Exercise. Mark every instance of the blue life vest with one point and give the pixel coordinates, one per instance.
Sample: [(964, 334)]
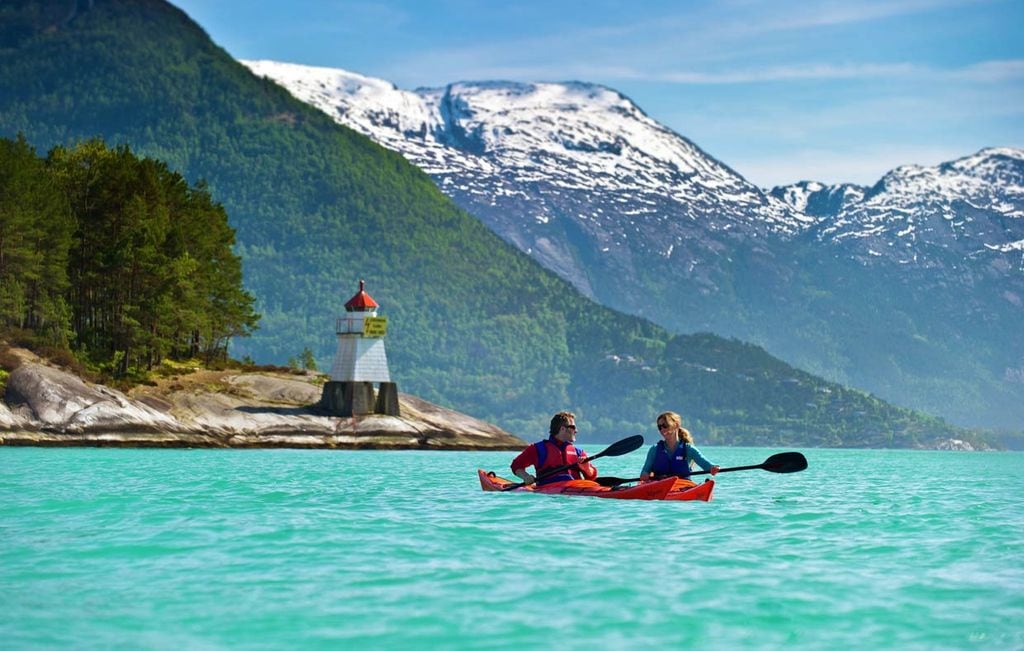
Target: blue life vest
[(675, 464), (569, 455)]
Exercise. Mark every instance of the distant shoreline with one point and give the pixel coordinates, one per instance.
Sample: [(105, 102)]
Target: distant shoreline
[(142, 441)]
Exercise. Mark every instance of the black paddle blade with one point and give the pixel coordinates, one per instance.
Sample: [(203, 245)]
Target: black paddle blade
[(785, 462), (614, 481), (625, 446)]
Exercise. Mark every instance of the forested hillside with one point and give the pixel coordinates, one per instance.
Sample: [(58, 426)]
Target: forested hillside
[(473, 323), (116, 258)]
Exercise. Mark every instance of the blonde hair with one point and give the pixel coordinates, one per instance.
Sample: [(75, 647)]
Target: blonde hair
[(673, 419)]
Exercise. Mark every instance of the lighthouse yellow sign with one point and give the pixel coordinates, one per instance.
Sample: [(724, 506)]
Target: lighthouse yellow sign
[(375, 326)]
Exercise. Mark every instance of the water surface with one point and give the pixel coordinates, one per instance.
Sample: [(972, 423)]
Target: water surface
[(229, 549)]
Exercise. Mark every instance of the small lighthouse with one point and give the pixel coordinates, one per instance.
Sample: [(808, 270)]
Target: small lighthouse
[(360, 362)]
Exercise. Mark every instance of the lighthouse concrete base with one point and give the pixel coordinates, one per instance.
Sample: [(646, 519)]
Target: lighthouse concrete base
[(387, 399), (355, 398)]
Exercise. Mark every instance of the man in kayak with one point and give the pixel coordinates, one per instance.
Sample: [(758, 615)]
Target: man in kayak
[(557, 450), (675, 452)]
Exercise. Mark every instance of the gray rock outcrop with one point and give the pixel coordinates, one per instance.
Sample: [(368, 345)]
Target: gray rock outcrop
[(47, 406), (49, 398)]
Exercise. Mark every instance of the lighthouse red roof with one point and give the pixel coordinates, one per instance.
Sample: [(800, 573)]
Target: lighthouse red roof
[(362, 301)]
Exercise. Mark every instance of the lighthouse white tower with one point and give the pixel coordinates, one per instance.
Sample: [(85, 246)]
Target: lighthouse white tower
[(360, 356), (359, 362)]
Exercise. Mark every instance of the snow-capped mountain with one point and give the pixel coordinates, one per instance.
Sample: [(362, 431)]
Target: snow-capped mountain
[(573, 136), (912, 288), (574, 174), (925, 216)]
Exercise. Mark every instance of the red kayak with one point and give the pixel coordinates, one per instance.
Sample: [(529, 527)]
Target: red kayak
[(664, 489), (684, 489)]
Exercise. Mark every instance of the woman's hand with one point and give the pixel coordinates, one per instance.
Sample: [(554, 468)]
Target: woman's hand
[(714, 470)]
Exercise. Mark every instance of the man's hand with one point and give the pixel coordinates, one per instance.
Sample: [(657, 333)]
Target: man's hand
[(526, 477)]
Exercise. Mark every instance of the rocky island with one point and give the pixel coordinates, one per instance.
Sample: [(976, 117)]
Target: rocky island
[(46, 406)]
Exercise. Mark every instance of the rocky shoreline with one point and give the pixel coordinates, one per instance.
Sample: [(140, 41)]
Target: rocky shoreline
[(46, 406)]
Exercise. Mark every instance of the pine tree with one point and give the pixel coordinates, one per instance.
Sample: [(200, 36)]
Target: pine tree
[(35, 234)]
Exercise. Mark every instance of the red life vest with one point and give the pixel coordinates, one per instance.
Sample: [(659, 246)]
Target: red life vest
[(551, 455)]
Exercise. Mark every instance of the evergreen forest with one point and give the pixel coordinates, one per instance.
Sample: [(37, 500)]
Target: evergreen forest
[(116, 258)]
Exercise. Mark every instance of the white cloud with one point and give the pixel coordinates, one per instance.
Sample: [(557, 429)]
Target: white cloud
[(715, 43), (809, 15), (791, 73), (981, 72), (991, 71)]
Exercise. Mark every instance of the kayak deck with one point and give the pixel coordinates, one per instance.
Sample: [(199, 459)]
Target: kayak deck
[(686, 490), (664, 489)]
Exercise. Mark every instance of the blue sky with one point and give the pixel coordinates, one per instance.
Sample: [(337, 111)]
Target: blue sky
[(779, 90)]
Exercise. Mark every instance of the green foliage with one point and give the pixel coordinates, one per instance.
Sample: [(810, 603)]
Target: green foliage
[(35, 235), (306, 360), (117, 256), (473, 324)]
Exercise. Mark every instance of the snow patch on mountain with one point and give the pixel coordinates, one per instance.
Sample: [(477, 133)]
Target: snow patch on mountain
[(917, 214), (501, 139), (1008, 247), (992, 178), (817, 199), (970, 204)]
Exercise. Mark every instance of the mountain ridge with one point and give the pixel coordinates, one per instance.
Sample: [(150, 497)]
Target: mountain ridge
[(676, 236)]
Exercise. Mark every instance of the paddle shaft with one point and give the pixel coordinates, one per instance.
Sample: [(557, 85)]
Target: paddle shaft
[(699, 472), (784, 462), (733, 469)]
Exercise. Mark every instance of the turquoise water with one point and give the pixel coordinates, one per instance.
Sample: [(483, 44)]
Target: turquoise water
[(265, 549)]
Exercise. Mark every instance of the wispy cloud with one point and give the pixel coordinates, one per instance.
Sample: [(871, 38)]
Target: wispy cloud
[(991, 71), (809, 15), (712, 46), (982, 72), (790, 73)]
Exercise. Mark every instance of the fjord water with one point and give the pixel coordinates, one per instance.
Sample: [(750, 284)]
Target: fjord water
[(211, 549)]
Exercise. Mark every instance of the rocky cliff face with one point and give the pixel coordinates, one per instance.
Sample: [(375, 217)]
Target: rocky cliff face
[(47, 406)]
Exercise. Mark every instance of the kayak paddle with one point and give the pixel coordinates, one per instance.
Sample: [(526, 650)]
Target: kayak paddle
[(782, 462), (625, 446)]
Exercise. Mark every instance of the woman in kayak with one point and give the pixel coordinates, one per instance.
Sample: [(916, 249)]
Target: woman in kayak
[(555, 451), (674, 454)]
